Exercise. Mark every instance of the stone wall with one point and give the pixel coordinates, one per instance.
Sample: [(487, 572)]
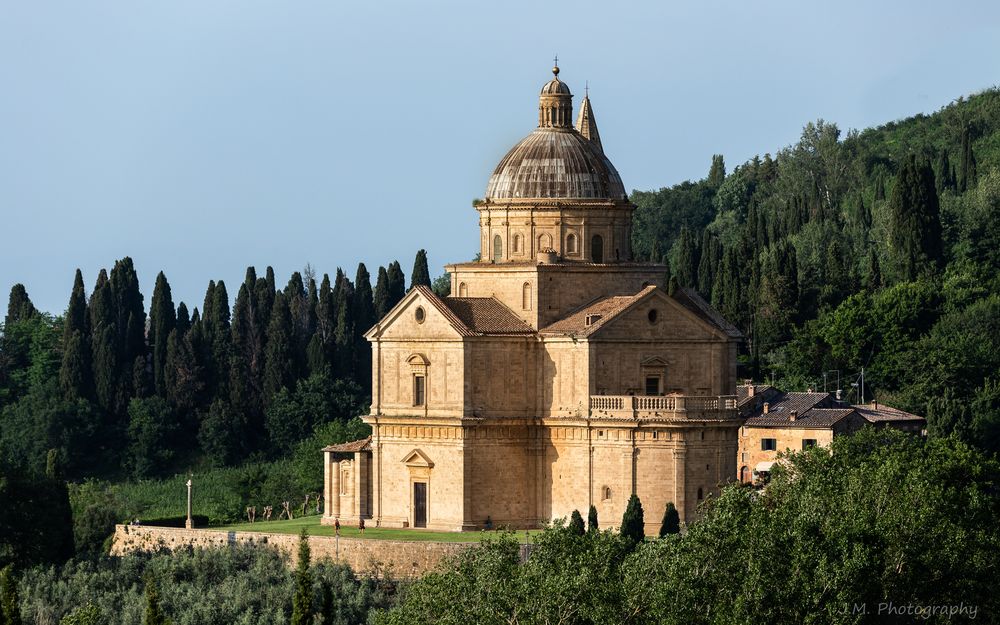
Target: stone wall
[(395, 558)]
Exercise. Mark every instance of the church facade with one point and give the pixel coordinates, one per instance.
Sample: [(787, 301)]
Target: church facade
[(558, 374)]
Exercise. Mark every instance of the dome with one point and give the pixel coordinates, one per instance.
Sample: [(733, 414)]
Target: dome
[(555, 87), (555, 163)]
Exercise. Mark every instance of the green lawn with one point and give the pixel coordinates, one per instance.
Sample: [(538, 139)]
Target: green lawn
[(312, 524)]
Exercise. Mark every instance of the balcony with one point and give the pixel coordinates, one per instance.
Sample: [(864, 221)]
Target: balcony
[(667, 407)]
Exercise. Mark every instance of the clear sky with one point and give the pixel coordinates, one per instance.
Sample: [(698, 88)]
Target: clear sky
[(202, 136)]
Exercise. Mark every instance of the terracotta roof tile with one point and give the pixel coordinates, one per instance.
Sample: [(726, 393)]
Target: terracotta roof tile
[(352, 447), (596, 313), (883, 414), (486, 315)]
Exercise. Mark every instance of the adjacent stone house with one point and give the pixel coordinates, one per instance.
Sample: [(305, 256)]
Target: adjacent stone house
[(777, 421)]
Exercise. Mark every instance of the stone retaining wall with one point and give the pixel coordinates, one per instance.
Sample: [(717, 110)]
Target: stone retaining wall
[(393, 558)]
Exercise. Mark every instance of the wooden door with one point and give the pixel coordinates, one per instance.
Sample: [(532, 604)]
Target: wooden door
[(420, 504)]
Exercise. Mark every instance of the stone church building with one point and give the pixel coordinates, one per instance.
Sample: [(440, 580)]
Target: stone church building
[(558, 374)]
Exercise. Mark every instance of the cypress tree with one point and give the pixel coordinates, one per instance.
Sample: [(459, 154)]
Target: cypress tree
[(945, 173), (19, 306), (576, 526), (219, 341), (103, 334), (182, 374), (344, 335), (298, 307), (967, 166), (153, 614), (10, 605), (74, 373), (873, 278), (592, 525), (162, 320), (633, 524), (58, 512), (302, 608), (880, 188), (396, 284), (364, 319), (130, 321), (264, 294), (278, 363), (915, 223), (685, 259), (717, 173), (421, 274), (247, 364), (708, 263), (183, 319), (671, 523), (381, 296), (654, 252)]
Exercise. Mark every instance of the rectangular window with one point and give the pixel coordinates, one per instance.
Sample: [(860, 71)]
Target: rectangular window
[(418, 390), (768, 444), (652, 385), (808, 442)]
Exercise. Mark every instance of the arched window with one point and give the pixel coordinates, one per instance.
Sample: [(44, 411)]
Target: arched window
[(463, 290), (571, 245), (606, 493), (597, 249), (516, 244), (544, 242), (526, 296), (497, 248)]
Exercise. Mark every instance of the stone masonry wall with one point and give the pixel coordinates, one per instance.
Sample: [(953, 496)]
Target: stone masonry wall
[(394, 558)]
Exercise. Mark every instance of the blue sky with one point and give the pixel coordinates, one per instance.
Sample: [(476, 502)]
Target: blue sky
[(203, 136)]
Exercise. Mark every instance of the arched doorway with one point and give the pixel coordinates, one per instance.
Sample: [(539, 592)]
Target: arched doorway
[(597, 249)]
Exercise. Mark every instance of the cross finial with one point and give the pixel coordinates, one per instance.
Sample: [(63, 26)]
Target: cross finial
[(586, 89), (555, 68)]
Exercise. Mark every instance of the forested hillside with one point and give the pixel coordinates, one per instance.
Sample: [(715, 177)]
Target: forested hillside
[(876, 250)]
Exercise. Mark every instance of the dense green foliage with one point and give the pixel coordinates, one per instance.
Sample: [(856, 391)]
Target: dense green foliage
[(671, 523), (870, 250), (239, 585), (881, 517)]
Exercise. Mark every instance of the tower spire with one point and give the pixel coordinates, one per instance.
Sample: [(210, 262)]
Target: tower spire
[(586, 124)]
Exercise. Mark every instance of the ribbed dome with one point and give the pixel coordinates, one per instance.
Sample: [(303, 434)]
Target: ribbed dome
[(555, 87), (555, 163)]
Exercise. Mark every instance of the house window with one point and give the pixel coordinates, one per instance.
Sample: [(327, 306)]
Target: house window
[(701, 495), (497, 249), (606, 493), (597, 249), (345, 481), (418, 390), (419, 314), (808, 442), (516, 244), (526, 296), (652, 315), (768, 444), (652, 385)]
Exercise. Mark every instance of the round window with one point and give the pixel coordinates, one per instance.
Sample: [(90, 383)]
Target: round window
[(652, 315), (419, 314)]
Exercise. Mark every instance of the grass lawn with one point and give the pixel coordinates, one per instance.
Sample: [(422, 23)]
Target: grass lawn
[(312, 524)]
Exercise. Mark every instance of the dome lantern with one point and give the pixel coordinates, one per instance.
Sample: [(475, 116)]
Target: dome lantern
[(555, 103)]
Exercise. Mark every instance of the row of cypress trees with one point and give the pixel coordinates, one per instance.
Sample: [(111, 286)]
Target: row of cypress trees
[(213, 370)]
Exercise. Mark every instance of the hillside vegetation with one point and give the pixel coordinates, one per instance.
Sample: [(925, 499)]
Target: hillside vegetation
[(876, 250)]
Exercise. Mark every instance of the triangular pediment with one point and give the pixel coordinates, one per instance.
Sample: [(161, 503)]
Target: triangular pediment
[(654, 361), (417, 458), (671, 317), (420, 314)]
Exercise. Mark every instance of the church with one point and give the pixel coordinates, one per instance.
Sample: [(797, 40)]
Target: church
[(560, 373)]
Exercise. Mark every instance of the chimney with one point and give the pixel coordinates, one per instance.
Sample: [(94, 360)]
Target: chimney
[(793, 415), (874, 404), (751, 390), (767, 407), (838, 394)]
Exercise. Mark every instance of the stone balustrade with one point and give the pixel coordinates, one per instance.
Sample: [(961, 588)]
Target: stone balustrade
[(663, 406)]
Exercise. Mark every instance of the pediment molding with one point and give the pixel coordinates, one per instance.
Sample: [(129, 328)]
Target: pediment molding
[(417, 458)]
